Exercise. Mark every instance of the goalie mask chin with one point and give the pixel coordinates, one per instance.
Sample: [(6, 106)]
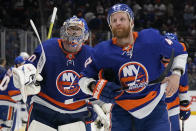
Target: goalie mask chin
[(73, 33)]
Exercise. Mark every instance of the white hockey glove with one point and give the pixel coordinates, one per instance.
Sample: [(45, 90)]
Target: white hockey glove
[(102, 117), (84, 83), (27, 80)]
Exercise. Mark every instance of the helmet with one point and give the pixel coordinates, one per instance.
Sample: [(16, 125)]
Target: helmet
[(19, 60), (71, 35), (120, 8), (25, 55), (171, 36)]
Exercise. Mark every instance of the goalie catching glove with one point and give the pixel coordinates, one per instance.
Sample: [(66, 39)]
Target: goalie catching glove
[(27, 80)]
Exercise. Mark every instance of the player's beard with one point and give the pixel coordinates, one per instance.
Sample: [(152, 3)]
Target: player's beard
[(123, 32)]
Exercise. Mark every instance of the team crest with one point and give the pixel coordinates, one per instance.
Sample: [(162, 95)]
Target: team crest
[(134, 75), (67, 83), (168, 41)]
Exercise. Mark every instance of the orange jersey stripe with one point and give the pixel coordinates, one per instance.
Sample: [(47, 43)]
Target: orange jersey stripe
[(131, 104), (5, 97), (72, 106), (13, 93), (29, 114), (66, 83), (99, 87), (173, 103), (131, 78), (10, 110), (183, 88), (184, 47), (100, 74), (135, 35)]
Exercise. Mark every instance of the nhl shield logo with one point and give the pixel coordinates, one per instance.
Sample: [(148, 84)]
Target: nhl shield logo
[(134, 75), (66, 83)]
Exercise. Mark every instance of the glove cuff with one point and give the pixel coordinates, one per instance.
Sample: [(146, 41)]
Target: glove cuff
[(185, 105), (98, 88)]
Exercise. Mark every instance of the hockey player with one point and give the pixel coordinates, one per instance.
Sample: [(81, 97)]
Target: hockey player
[(2, 68), (55, 104), (23, 111), (25, 55), (135, 59), (9, 95), (178, 104)]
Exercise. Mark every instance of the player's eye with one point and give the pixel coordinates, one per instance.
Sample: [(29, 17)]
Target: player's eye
[(122, 19), (114, 20)]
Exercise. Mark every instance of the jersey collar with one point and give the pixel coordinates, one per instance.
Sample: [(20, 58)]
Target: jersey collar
[(126, 48), (69, 55)]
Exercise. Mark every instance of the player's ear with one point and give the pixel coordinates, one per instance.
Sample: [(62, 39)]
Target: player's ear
[(131, 24)]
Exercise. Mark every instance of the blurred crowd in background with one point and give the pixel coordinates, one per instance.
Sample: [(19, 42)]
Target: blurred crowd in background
[(176, 16)]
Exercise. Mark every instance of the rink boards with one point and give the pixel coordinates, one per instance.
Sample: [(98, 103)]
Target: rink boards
[(192, 95)]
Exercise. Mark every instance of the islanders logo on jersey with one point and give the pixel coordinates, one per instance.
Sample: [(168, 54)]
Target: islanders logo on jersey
[(66, 83), (133, 75)]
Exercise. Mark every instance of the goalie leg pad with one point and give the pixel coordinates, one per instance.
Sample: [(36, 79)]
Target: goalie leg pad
[(38, 126), (76, 126)]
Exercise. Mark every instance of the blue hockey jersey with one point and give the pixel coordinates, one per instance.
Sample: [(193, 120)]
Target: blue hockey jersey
[(173, 102), (59, 88), (182, 93), (2, 73), (10, 95), (134, 67)]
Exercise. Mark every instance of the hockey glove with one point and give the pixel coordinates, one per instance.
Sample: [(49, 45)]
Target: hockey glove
[(27, 80), (185, 110), (92, 116), (105, 91), (103, 117), (107, 74)]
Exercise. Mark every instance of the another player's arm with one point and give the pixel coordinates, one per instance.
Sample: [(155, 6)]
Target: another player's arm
[(185, 105), (178, 67)]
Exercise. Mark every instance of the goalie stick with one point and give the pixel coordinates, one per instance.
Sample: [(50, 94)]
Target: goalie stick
[(40, 65), (42, 59)]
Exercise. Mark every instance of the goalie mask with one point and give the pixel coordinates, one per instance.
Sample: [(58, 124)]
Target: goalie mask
[(74, 31)]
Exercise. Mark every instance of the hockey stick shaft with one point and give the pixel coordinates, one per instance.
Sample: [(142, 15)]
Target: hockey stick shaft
[(42, 59), (158, 80), (182, 125), (52, 22)]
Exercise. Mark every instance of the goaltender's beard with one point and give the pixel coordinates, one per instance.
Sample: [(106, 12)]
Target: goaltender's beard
[(122, 32)]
